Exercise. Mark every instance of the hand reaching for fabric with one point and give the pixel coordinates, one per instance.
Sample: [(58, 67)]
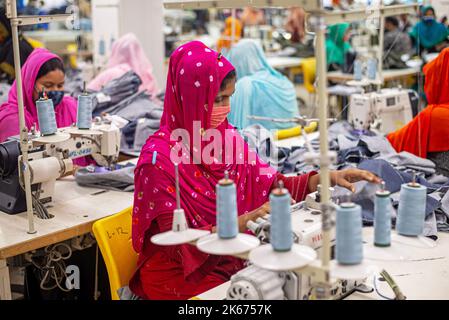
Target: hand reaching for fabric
[(345, 178)]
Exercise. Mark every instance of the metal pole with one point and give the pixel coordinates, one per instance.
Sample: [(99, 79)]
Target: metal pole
[(380, 51), (233, 27), (23, 166), (324, 148)]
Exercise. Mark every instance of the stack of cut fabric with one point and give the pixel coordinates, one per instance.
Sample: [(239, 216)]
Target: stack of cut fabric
[(142, 112), (367, 151)]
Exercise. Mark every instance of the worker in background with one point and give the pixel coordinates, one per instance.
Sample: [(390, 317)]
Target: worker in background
[(201, 20), (201, 84), (6, 49), (429, 34), (260, 90), (127, 54), (43, 71), (427, 134), (337, 45), (252, 17), (396, 44), (404, 23), (296, 24), (445, 21), (224, 43)]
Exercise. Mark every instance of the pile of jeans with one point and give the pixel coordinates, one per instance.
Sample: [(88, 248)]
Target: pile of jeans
[(367, 151), (140, 111)]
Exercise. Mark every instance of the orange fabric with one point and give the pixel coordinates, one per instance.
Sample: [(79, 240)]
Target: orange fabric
[(225, 42), (437, 79), (429, 131)]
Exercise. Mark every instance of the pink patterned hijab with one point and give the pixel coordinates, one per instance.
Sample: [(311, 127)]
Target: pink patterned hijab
[(127, 54), (194, 78), (9, 113)]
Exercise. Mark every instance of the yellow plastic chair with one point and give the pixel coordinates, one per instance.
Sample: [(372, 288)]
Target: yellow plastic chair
[(113, 236), (308, 66), (72, 50)]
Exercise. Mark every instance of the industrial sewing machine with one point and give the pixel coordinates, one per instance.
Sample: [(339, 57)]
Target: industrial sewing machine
[(384, 111), (52, 157), (254, 283)]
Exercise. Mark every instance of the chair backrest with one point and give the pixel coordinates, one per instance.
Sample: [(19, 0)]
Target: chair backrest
[(309, 69), (113, 235)]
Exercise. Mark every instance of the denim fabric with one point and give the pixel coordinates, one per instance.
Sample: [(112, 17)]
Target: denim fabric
[(121, 179)]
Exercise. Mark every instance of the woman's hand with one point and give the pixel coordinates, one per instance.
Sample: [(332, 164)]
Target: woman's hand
[(345, 178), (253, 216)]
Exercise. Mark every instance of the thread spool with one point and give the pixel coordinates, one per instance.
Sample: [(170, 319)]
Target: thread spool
[(349, 241), (372, 69), (357, 70), (281, 224), (84, 112), (45, 169), (382, 218), (46, 116), (412, 209), (227, 225)]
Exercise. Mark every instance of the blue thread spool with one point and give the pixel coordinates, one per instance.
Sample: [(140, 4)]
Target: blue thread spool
[(153, 160), (412, 209), (357, 70), (372, 69), (281, 236), (84, 112), (349, 241), (46, 116), (101, 47), (227, 225), (382, 218)]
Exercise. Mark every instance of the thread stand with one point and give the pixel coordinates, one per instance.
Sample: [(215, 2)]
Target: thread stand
[(281, 254), (297, 257), (242, 243), (351, 272), (59, 136), (227, 240), (180, 233)]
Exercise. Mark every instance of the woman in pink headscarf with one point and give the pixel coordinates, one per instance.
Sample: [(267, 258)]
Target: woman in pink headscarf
[(127, 54), (199, 86), (42, 70)]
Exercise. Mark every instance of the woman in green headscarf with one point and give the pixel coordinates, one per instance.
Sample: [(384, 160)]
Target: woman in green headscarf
[(337, 45), (429, 34)]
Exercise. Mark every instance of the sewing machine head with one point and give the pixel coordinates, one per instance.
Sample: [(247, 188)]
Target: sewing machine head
[(51, 157), (254, 283), (384, 111)]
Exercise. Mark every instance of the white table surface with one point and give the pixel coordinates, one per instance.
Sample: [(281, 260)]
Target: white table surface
[(339, 76), (284, 62), (75, 209), (425, 277)]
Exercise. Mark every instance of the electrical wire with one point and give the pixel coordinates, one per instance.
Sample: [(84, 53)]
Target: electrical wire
[(377, 290), (38, 207), (53, 267), (397, 291)]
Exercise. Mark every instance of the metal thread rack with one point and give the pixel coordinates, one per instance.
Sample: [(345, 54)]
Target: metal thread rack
[(320, 18), (16, 22)]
